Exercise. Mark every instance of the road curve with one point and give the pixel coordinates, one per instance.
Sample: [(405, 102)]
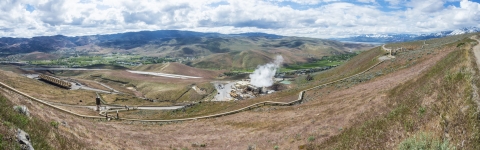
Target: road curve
[(386, 49), (476, 51)]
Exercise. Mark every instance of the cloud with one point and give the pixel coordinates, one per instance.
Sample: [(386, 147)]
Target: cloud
[(395, 2), (366, 1), (317, 18), (427, 6), (306, 2)]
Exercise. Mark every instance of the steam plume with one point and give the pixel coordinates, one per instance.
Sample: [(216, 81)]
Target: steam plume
[(263, 75)]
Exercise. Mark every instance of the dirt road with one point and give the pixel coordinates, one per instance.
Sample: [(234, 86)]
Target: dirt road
[(476, 51), (164, 75)]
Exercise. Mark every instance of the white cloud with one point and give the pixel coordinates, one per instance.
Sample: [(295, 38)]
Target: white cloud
[(366, 1), (428, 6), (305, 2), (395, 2), (331, 18)]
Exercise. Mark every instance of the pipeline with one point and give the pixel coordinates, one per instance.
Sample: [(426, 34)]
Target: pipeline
[(48, 104)]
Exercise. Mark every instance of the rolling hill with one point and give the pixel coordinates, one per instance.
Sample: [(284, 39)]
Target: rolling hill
[(237, 51), (424, 98)]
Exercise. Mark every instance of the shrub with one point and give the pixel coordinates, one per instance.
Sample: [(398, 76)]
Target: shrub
[(424, 141), (54, 124), (311, 138), (421, 110)]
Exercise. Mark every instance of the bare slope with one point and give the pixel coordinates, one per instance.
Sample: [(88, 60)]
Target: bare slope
[(436, 109)]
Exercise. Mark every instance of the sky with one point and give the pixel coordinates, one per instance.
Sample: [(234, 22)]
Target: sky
[(304, 18)]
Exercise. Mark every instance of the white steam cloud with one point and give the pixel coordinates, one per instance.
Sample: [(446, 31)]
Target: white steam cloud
[(263, 75)]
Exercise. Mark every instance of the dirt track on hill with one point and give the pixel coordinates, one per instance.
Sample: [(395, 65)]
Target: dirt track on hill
[(476, 51)]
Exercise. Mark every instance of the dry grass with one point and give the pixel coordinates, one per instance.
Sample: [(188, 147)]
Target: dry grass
[(406, 45), (439, 103), (43, 135), (92, 84), (46, 91)]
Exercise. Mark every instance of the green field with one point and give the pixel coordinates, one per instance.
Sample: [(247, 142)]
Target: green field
[(116, 59), (320, 63)]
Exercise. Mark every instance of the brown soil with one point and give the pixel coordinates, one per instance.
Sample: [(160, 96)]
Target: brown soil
[(92, 84)]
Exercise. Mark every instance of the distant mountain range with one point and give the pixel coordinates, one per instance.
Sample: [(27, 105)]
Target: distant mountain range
[(203, 50), (131, 40), (389, 38), (127, 40)]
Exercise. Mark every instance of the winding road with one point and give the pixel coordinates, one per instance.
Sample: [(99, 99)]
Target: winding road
[(386, 49), (476, 51)]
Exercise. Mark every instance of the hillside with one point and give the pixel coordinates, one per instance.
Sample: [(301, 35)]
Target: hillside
[(196, 48), (294, 51), (436, 109), (186, 42), (11, 120), (424, 98)]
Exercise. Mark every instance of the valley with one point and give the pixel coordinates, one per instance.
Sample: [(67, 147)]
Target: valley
[(362, 100), (240, 74)]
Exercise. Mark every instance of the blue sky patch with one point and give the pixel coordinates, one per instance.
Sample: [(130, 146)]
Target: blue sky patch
[(29, 8), (298, 6), (456, 4), (219, 3)]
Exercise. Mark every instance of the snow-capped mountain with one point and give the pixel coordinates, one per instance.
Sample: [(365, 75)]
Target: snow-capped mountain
[(465, 30), (388, 38)]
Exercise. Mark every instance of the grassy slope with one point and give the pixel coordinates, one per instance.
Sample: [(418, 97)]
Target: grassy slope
[(150, 67), (322, 63), (43, 135), (216, 61), (355, 65), (244, 57), (46, 91), (439, 106)]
